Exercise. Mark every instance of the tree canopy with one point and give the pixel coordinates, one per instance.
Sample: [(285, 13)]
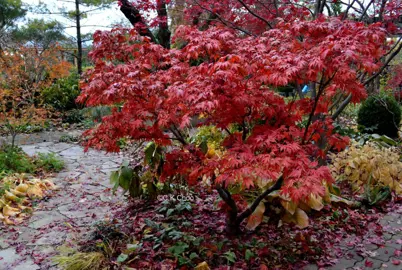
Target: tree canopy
[(223, 65), (10, 11)]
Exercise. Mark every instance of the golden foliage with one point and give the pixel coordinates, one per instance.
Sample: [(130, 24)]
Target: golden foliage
[(369, 164), (256, 217), (17, 192)]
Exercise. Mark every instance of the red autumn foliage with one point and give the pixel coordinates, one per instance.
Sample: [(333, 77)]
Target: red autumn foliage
[(229, 78)]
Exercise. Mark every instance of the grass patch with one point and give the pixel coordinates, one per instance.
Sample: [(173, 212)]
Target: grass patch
[(49, 162), (14, 160)]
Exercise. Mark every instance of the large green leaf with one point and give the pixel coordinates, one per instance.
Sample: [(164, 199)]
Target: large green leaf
[(114, 179), (125, 177)]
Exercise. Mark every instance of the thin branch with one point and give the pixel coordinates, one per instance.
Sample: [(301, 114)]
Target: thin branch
[(345, 15), (395, 53), (255, 14), (224, 21), (393, 47), (342, 107), (335, 103), (365, 10)]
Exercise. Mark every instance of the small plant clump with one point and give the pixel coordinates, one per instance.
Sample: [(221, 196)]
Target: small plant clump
[(380, 114), (14, 160), (369, 167), (16, 194), (49, 162), (82, 261)]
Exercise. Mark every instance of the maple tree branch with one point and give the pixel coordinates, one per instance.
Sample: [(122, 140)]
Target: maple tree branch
[(360, 4), (318, 7), (246, 213), (342, 107), (336, 102), (328, 9), (365, 10), (382, 9), (393, 47), (310, 117), (233, 26), (354, 8), (227, 198), (345, 15), (255, 14), (178, 134), (134, 16), (274, 3), (320, 92), (395, 53)]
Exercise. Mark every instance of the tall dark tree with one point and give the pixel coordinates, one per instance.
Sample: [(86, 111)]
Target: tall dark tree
[(77, 15), (78, 10)]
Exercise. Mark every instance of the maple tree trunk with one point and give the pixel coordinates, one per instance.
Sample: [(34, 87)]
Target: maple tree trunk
[(163, 32), (234, 219), (134, 16)]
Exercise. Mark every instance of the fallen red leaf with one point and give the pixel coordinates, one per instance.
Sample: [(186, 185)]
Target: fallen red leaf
[(396, 262), (368, 263)]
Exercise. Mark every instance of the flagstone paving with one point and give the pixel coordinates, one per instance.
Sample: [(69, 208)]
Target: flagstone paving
[(83, 198)]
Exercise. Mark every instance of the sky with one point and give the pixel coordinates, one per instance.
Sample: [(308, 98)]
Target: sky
[(100, 19)]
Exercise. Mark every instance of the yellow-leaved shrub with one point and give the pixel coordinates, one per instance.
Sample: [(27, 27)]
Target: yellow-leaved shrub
[(16, 193), (369, 164)]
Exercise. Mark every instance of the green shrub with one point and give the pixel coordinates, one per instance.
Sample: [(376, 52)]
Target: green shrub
[(69, 138), (14, 160), (74, 116), (49, 162), (380, 114), (62, 94)]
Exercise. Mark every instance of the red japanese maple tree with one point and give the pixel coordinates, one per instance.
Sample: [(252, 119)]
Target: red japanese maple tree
[(227, 73)]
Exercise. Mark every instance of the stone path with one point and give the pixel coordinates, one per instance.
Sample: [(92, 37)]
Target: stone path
[(84, 197), (376, 251)]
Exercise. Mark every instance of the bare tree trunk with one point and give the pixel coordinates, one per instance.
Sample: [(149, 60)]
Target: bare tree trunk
[(13, 137), (79, 41)]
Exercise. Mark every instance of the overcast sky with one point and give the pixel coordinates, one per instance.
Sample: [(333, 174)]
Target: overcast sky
[(95, 20)]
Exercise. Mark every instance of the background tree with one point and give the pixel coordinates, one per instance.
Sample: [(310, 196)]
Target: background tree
[(25, 71), (39, 33), (10, 12), (80, 9)]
